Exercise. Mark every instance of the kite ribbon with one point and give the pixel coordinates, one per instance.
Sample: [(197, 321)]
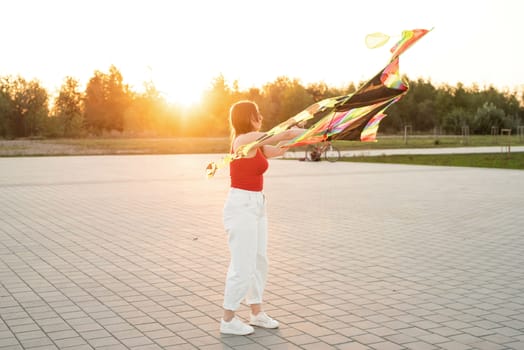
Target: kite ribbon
[(354, 116)]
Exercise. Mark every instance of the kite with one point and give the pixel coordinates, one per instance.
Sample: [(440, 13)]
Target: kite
[(354, 116), (375, 40)]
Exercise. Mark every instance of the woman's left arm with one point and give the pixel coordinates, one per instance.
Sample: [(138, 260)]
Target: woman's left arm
[(273, 151)]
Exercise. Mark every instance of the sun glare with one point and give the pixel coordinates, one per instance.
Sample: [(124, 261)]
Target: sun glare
[(175, 88), (185, 96)]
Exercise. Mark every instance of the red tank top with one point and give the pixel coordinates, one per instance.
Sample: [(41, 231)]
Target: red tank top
[(248, 173)]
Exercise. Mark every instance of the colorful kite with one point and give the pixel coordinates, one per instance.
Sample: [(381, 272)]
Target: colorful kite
[(354, 116)]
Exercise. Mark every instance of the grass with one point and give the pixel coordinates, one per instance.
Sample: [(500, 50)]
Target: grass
[(108, 146), (481, 160), (431, 141), (178, 145), (192, 145), (189, 145)]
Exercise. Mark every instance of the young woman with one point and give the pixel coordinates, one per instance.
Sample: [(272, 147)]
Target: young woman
[(245, 219)]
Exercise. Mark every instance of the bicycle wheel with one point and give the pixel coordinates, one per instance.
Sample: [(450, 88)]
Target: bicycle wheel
[(332, 154), (312, 153)]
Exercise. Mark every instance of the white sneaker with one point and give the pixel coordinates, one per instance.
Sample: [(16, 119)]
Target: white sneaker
[(236, 327), (262, 320)]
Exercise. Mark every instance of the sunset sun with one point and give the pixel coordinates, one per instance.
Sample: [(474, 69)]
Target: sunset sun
[(183, 95)]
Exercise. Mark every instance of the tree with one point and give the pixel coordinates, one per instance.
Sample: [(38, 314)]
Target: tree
[(6, 110), (119, 98), (106, 100), (318, 91), (212, 118), (283, 98), (95, 104), (69, 109), (488, 116), (456, 119), (443, 105), (462, 98), (24, 105), (149, 114)]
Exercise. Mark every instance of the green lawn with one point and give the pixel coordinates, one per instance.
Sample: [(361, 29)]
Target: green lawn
[(491, 160), (431, 141)]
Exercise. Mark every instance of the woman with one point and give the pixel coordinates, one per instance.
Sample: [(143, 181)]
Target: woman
[(245, 219)]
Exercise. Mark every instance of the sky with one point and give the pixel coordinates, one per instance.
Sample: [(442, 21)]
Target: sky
[(181, 46)]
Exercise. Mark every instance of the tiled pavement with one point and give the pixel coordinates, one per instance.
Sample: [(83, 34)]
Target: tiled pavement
[(129, 253)]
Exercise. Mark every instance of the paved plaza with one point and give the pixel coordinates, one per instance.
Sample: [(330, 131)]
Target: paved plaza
[(128, 252)]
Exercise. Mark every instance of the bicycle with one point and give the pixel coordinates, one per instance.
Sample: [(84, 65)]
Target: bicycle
[(314, 152)]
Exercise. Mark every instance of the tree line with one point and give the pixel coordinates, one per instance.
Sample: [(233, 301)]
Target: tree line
[(108, 106)]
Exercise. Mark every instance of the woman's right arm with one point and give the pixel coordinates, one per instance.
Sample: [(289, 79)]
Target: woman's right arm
[(249, 137)]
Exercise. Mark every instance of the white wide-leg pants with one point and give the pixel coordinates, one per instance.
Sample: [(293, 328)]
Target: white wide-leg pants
[(245, 222)]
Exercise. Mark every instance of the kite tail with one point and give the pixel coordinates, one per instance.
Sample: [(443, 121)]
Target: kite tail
[(354, 116)]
